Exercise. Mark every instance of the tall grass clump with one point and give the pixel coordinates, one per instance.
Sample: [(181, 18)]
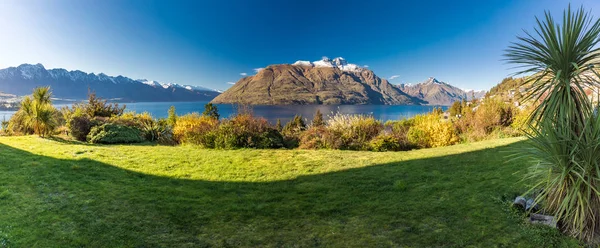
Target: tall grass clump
[(353, 132), (562, 59)]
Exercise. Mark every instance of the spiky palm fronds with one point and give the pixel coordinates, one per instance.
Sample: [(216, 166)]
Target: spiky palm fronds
[(43, 119), (42, 95), (562, 60), (567, 168), (36, 115)]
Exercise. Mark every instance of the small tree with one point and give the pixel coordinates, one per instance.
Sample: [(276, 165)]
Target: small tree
[(318, 119), (295, 125), (278, 125), (172, 118), (561, 59), (36, 115), (98, 107), (456, 108), (210, 110), (4, 125)]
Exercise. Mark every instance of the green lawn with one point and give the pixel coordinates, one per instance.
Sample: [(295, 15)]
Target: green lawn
[(64, 194)]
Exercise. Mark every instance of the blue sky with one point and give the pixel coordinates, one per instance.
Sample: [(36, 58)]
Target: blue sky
[(210, 43)]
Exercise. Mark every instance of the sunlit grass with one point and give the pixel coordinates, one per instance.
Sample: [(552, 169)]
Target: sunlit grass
[(61, 194)]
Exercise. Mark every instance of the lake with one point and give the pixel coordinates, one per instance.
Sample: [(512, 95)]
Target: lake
[(272, 113)]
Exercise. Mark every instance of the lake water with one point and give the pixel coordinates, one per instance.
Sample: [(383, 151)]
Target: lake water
[(272, 113)]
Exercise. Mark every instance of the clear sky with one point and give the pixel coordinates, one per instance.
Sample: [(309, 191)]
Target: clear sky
[(210, 43)]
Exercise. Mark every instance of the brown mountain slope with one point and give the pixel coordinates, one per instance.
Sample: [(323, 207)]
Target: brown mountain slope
[(434, 92), (308, 84)]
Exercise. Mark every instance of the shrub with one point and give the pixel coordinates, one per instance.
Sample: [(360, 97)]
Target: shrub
[(292, 130), (79, 127), (316, 137), (352, 131), (132, 119), (521, 119), (386, 142), (98, 107), (247, 131), (195, 129), (318, 119), (456, 108), (278, 125), (398, 130), (172, 119), (430, 130), (111, 133), (210, 110), (4, 126), (159, 131), (490, 114)]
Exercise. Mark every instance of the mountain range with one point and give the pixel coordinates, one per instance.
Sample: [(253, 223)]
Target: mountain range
[(336, 81), (321, 82), (75, 85), (436, 92), (326, 81)]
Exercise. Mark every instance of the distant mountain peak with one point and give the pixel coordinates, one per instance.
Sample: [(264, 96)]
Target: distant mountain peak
[(433, 80), (338, 62), (305, 82), (437, 92), (34, 66), (75, 84)]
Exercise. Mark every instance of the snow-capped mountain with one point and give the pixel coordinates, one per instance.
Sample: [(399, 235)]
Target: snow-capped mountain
[(435, 92), (474, 94), (76, 85), (174, 85), (320, 82), (338, 62)]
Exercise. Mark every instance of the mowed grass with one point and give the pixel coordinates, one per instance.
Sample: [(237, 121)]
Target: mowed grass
[(56, 193)]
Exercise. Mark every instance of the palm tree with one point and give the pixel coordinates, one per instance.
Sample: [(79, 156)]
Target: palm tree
[(42, 95), (561, 62), (36, 114)]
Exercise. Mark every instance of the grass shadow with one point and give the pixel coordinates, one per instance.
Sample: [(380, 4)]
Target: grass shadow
[(67, 140), (456, 200)]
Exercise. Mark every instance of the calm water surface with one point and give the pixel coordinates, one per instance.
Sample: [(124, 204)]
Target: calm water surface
[(272, 113)]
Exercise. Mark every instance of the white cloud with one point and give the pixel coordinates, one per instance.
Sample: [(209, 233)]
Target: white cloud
[(366, 66), (244, 74), (230, 82), (394, 77), (257, 70)]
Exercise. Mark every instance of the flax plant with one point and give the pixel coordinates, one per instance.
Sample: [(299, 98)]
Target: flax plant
[(561, 61)]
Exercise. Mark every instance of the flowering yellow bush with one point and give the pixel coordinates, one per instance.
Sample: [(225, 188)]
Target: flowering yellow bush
[(430, 130), (195, 129)]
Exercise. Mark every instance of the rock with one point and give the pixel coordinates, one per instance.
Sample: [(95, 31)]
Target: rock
[(531, 206), (520, 202), (543, 220), (527, 204)]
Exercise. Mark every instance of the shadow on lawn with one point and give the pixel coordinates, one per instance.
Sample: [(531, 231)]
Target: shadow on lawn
[(70, 141), (456, 200)]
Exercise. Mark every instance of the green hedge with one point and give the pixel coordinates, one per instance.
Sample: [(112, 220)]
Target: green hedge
[(114, 134)]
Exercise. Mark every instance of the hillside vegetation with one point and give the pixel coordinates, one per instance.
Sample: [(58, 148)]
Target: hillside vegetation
[(56, 193)]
